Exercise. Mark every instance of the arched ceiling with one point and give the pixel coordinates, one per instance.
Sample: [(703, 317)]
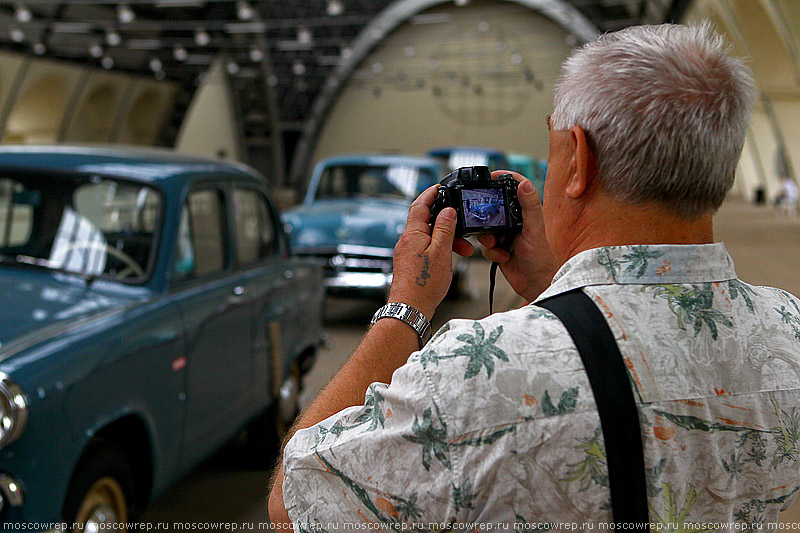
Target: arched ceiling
[(292, 46)]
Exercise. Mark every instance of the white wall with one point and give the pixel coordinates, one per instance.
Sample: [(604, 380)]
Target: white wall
[(48, 101), (484, 97), (210, 127)]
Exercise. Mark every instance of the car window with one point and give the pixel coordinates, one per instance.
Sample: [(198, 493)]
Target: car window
[(389, 181), (16, 212), (201, 236), (255, 232), (88, 225)]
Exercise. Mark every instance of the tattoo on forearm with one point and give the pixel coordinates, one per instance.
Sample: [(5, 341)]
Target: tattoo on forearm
[(422, 279)]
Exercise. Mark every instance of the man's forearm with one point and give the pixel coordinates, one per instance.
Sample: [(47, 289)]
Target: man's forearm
[(384, 349)]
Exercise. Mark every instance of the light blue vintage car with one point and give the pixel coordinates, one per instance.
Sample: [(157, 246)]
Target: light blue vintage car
[(150, 312), (354, 211)]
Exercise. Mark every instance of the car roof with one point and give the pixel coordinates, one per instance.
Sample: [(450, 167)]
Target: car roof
[(445, 151), (379, 160), (142, 164)]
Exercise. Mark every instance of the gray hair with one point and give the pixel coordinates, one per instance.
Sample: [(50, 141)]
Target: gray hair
[(666, 110)]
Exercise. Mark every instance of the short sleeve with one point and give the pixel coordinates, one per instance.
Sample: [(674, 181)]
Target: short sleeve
[(385, 463)]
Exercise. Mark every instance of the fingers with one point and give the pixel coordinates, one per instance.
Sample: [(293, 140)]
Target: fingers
[(444, 232), (532, 221), (419, 213), (496, 255), (517, 176), (463, 247)]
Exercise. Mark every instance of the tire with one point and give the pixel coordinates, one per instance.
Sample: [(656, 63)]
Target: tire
[(264, 435), (101, 490)]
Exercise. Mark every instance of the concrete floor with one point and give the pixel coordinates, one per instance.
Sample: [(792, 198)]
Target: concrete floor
[(764, 246)]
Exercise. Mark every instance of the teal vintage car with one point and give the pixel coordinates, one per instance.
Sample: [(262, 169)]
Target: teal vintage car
[(469, 156), (150, 311), (354, 211)]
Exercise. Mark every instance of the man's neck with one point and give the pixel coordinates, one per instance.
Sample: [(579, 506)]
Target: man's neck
[(612, 223)]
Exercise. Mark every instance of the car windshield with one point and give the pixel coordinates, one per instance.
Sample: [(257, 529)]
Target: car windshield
[(88, 225), (391, 181)]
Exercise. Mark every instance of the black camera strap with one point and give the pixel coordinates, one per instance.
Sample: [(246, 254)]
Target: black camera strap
[(619, 417), (492, 280)]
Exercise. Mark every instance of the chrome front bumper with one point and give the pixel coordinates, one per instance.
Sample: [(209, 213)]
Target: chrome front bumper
[(359, 281)]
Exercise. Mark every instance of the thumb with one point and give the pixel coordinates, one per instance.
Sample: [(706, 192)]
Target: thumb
[(444, 231)]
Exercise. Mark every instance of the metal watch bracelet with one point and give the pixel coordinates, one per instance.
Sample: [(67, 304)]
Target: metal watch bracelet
[(409, 315)]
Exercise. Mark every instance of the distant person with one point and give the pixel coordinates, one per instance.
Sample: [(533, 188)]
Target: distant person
[(786, 202), (493, 421)]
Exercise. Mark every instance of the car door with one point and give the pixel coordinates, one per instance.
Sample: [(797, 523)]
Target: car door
[(258, 250), (217, 322)]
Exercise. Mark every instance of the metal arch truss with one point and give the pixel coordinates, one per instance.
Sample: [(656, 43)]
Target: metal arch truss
[(561, 12)]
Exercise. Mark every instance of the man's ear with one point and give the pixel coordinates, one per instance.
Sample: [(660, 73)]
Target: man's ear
[(585, 168)]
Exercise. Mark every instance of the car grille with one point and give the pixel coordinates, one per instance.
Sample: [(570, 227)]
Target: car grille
[(351, 259)]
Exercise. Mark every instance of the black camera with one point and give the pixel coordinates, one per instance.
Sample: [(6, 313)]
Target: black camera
[(483, 205)]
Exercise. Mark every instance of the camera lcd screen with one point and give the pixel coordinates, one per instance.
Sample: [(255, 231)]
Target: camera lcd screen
[(483, 208)]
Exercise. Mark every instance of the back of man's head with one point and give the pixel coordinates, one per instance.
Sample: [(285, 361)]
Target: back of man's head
[(666, 109)]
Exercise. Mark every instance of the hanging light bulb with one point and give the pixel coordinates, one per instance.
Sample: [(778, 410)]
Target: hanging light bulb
[(17, 35), (304, 35), (201, 37), (125, 14), (156, 64), (233, 68), (107, 62), (298, 68), (39, 49), (23, 14), (96, 51), (244, 10), (113, 38), (180, 53), (335, 8), (256, 54)]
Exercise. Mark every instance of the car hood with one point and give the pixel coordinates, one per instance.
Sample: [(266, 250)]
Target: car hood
[(329, 223), (39, 300)]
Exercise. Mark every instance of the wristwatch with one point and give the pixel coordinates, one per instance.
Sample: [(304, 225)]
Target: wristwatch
[(409, 315)]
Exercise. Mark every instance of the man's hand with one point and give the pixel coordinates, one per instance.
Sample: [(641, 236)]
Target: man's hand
[(423, 268), (531, 267)]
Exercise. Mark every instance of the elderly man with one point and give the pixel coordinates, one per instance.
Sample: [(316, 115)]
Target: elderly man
[(494, 421)]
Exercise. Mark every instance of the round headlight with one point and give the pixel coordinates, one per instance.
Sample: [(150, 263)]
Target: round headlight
[(13, 411)]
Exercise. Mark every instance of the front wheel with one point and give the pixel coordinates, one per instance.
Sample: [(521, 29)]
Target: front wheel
[(101, 492)]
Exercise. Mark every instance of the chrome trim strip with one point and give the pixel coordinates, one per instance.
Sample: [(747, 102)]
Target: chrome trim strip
[(359, 280)]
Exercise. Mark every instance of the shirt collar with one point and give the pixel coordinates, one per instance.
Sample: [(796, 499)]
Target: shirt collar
[(643, 264)]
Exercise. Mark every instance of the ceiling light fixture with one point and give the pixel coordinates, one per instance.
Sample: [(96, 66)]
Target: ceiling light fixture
[(156, 64), (244, 11), (17, 35), (180, 53), (113, 38), (256, 55), (233, 68), (298, 68), (201, 37), (23, 14), (125, 14), (304, 35), (39, 49), (96, 51), (335, 8), (107, 62)]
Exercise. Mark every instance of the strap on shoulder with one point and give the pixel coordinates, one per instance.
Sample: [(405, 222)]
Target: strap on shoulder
[(619, 417)]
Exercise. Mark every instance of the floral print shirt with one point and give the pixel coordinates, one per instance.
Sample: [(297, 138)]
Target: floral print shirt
[(493, 423)]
